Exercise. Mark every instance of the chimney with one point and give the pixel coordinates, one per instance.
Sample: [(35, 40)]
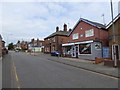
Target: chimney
[(57, 29), (65, 27), (70, 30)]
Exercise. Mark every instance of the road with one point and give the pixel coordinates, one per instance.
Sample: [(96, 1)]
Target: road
[(22, 70)]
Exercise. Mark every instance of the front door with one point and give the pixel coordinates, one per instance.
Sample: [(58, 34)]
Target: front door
[(115, 53), (74, 51)]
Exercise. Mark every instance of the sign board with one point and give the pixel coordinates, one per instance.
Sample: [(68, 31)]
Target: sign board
[(105, 52)]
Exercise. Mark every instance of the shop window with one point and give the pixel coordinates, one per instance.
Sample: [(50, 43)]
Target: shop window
[(85, 48)]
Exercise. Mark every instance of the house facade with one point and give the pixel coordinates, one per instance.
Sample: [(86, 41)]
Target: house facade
[(24, 45), (54, 41), (36, 45), (17, 46), (86, 40), (114, 38)]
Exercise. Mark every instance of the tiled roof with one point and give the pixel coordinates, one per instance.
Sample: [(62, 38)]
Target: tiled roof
[(94, 23), (98, 25), (59, 33)]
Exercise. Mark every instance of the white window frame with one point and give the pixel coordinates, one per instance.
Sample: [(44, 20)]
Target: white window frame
[(75, 36), (89, 33)]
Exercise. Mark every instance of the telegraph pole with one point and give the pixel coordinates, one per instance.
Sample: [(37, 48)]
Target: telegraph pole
[(113, 36)]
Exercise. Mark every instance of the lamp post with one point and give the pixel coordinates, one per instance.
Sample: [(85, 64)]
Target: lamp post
[(113, 36)]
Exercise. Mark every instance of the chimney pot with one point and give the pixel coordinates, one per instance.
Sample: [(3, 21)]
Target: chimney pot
[(65, 27), (57, 29)]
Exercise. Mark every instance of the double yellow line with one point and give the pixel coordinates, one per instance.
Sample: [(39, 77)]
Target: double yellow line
[(16, 75)]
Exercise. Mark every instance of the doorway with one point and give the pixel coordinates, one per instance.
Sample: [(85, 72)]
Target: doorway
[(75, 51), (115, 53)]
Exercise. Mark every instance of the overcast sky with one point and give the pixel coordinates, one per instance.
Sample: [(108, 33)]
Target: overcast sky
[(27, 19)]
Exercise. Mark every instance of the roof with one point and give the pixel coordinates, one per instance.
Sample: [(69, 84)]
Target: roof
[(114, 20), (58, 33), (98, 25)]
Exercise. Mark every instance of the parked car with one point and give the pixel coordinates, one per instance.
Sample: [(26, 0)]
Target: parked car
[(55, 53)]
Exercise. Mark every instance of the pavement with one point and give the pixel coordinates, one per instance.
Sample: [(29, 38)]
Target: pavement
[(84, 64)]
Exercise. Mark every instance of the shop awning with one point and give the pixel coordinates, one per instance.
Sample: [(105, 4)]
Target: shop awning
[(70, 44)]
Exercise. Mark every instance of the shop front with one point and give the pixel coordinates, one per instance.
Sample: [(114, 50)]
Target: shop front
[(83, 50)]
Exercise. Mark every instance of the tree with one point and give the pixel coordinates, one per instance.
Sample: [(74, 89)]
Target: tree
[(10, 46)]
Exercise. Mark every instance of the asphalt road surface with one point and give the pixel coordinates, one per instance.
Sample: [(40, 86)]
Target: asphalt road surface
[(22, 70)]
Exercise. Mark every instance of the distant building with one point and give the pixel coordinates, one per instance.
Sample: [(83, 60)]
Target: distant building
[(24, 45), (36, 45), (17, 46), (54, 41)]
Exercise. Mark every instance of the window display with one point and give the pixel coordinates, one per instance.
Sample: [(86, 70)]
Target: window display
[(85, 48)]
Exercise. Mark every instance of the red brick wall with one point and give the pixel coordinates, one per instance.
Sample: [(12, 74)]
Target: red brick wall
[(98, 33), (59, 40)]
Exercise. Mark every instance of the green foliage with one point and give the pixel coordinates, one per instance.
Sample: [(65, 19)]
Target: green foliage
[(10, 46)]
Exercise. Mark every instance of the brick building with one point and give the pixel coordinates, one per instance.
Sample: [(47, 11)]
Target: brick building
[(114, 43), (36, 45), (86, 40), (24, 45), (54, 41)]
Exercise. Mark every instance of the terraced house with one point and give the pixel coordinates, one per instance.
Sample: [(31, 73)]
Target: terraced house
[(86, 40), (54, 41)]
